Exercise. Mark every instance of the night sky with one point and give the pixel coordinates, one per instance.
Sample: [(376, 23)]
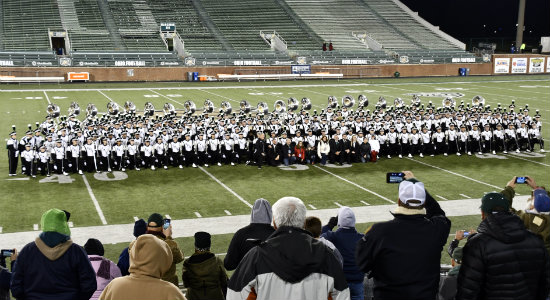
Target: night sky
[(465, 19)]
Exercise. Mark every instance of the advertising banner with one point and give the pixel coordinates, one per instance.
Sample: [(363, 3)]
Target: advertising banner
[(536, 65), (548, 65), (519, 65), (502, 65), (300, 69)]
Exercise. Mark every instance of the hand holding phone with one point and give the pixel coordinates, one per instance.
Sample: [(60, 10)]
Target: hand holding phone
[(6, 252), (521, 180), (166, 224), (394, 177)]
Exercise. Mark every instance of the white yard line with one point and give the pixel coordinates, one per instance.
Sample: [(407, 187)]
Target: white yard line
[(456, 174), (1, 229), (442, 198), (198, 215), (226, 187), (227, 212), (136, 219), (175, 101), (35, 227), (364, 202), (94, 200), (525, 159), (217, 95), (311, 206), (338, 204), (47, 98), (355, 184), (465, 196), (105, 95), (168, 217)]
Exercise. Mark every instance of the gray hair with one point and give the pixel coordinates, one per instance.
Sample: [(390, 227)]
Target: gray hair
[(289, 211)]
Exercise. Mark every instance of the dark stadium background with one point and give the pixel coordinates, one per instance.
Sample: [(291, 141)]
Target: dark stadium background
[(465, 19)]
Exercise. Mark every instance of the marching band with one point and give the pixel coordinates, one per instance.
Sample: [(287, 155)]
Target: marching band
[(128, 140)]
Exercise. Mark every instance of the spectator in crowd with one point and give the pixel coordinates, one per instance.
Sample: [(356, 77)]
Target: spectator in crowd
[(447, 283), (503, 260), (403, 255), (150, 260), (5, 275), (336, 148), (300, 153), (203, 273), (140, 227), (314, 226), (155, 227), (375, 148), (323, 150), (290, 264), (105, 269), (539, 48), (325, 46), (365, 150), (513, 49), (288, 153), (536, 217), (345, 239), (354, 150), (522, 48), (330, 47), (259, 229), (53, 267)]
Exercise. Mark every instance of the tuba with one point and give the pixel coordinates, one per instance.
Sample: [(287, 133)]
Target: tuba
[(398, 103), (448, 102), (168, 109), (262, 108), (208, 106), (53, 110), (381, 102), (149, 109), (74, 109), (280, 106), (226, 108), (363, 101), (189, 107), (245, 107), (415, 101), (348, 101), (91, 110), (292, 104), (332, 102), (478, 101), (112, 108), (306, 103), (129, 107)]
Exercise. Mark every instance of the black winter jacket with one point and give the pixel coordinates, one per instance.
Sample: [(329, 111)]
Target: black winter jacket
[(504, 261), (239, 245)]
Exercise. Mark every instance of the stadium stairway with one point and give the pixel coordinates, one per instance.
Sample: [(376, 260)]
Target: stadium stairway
[(110, 23), (208, 22)]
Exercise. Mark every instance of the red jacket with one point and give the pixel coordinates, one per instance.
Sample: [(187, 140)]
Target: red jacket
[(300, 153)]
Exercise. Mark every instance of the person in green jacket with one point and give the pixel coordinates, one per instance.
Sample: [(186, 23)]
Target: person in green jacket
[(536, 217), (203, 273)]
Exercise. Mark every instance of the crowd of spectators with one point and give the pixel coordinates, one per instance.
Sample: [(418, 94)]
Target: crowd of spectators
[(282, 254)]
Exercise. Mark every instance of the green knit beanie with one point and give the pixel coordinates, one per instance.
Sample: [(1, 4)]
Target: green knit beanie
[(55, 220)]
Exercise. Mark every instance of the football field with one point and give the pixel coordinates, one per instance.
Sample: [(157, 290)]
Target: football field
[(117, 198)]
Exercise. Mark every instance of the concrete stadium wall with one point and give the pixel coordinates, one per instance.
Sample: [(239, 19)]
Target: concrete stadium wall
[(180, 73)]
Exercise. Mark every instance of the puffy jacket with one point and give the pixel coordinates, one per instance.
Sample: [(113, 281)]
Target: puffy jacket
[(503, 261), (61, 272), (204, 277), (290, 264)]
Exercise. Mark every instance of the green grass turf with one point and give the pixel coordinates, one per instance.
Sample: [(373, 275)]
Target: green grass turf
[(180, 193)]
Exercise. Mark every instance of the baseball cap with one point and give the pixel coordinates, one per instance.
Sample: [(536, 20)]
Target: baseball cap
[(494, 202), (542, 201), (412, 193), (157, 218), (457, 254)]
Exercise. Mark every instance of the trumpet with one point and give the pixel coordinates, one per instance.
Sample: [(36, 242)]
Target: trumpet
[(448, 102), (348, 101), (91, 110), (478, 101), (332, 102), (53, 110), (74, 109), (306, 103), (363, 101)]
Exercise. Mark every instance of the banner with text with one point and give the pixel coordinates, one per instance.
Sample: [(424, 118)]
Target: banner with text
[(536, 65), (519, 65), (502, 65)]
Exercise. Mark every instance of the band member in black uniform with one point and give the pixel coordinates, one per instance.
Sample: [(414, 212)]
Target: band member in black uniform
[(13, 153), (260, 150)]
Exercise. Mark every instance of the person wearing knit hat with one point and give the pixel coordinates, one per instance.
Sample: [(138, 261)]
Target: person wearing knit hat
[(140, 227), (203, 273), (490, 257), (448, 282), (105, 269), (53, 267), (413, 240)]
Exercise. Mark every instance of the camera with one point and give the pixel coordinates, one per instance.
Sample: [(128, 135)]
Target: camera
[(521, 179), (7, 252), (395, 177), (166, 224)]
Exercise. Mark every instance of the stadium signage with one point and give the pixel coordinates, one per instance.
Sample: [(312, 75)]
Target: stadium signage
[(169, 63), (6, 63), (42, 63), (357, 61), (129, 63), (190, 61), (548, 66), (427, 61), (502, 65), (404, 59), (88, 63), (536, 65), (247, 62), (463, 59), (300, 69), (519, 65), (212, 62), (321, 62), (386, 61), (284, 63)]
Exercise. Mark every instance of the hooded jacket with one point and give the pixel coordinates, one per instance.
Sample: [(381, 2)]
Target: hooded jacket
[(504, 261), (290, 264), (105, 270), (59, 272), (204, 277), (150, 259), (345, 239), (403, 255), (259, 229)]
